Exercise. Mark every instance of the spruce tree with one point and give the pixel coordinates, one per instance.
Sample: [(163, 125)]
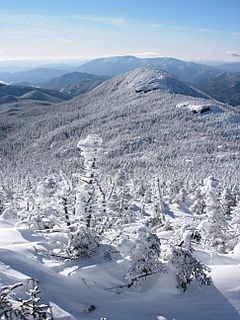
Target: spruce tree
[(145, 257)]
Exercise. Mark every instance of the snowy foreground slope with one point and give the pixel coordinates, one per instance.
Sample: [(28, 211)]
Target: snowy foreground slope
[(72, 287)]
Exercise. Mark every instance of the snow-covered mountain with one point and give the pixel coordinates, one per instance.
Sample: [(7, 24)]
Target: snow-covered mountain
[(112, 66), (209, 79), (141, 128), (148, 79), (233, 67), (225, 87), (33, 76), (69, 79), (80, 79), (183, 70)]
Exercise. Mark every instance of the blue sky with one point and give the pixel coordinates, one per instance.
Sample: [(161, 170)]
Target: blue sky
[(81, 29)]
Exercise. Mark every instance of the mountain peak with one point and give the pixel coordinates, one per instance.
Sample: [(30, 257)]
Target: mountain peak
[(148, 79)]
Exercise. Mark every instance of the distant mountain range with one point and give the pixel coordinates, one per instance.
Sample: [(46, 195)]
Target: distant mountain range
[(74, 83), (233, 67), (225, 87), (111, 66), (185, 71), (31, 77), (213, 81), (14, 93), (81, 79)]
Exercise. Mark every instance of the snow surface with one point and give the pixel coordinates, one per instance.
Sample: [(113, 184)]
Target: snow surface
[(71, 287)]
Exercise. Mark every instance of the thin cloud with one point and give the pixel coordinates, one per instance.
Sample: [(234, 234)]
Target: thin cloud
[(233, 54), (188, 29), (146, 54), (100, 19)]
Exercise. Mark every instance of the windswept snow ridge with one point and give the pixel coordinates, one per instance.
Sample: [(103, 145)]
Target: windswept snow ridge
[(144, 80)]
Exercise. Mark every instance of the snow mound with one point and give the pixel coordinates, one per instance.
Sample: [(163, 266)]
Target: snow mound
[(198, 107), (145, 80)]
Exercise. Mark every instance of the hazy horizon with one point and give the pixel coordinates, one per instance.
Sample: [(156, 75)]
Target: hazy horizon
[(24, 65), (199, 30)]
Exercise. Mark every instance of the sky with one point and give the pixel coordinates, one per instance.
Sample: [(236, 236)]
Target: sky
[(86, 29)]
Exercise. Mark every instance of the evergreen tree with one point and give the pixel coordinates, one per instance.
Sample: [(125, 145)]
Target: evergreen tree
[(145, 257), (187, 268), (236, 218), (82, 242), (76, 235), (180, 197), (198, 205), (159, 217), (120, 198), (227, 201), (14, 307), (181, 259), (87, 201), (214, 228)]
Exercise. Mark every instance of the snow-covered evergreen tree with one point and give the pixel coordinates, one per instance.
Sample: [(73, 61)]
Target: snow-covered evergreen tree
[(2, 199), (14, 306), (236, 218), (158, 218), (214, 228), (82, 242), (88, 210), (227, 201), (187, 268), (76, 234), (120, 197), (198, 205), (180, 197), (145, 257)]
